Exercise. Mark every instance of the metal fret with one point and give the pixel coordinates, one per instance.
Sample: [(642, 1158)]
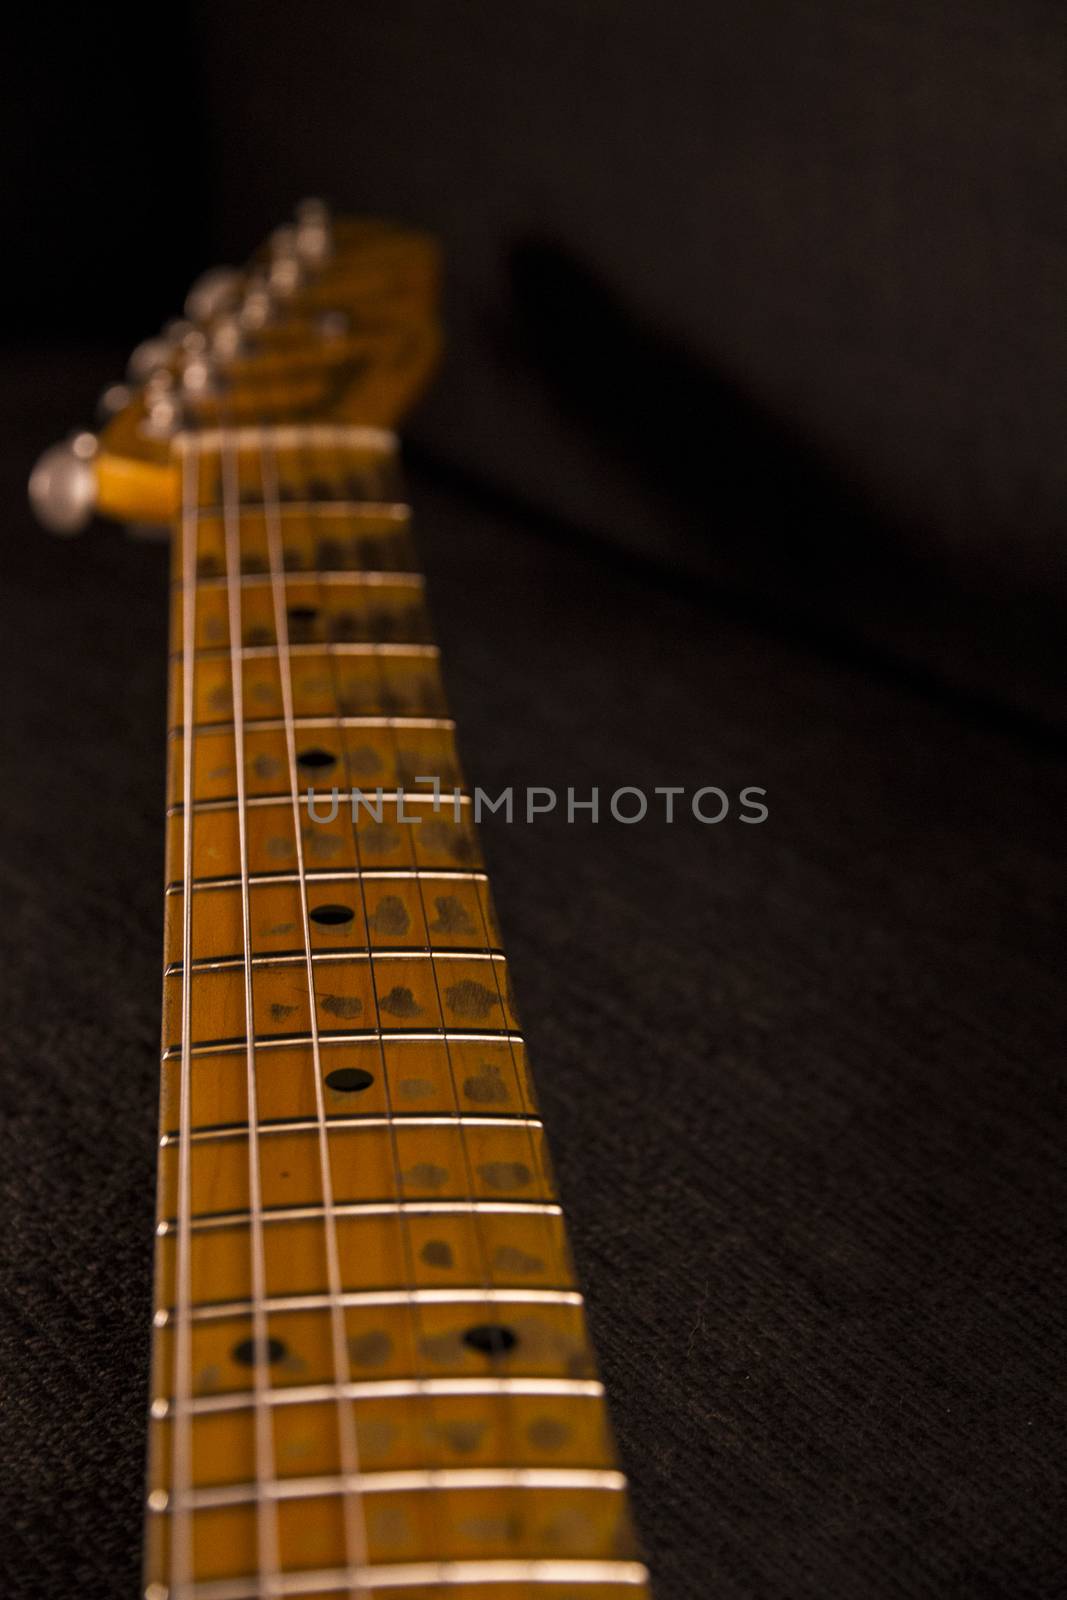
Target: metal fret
[(277, 724), (289, 958), (356, 577), (392, 1389), (216, 1310), (259, 652), (429, 1574), (349, 1036), (428, 1479), (372, 1208), (341, 875), (409, 1119), (369, 509), (291, 436), (410, 797)]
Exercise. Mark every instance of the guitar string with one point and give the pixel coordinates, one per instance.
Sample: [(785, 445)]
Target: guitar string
[(476, 1221), (424, 1403), (266, 1509), (507, 1408), (181, 1425), (477, 1225), (352, 1503)]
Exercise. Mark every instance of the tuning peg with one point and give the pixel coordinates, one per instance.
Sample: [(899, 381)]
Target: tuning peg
[(285, 271), (214, 292), (115, 398), (147, 358), (226, 338), (62, 486), (257, 306), (199, 377), (314, 232), (162, 406)]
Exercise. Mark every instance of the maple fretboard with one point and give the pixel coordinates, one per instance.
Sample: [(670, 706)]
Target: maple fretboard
[(371, 1374)]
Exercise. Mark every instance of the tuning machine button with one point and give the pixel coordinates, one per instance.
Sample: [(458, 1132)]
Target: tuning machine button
[(62, 486), (227, 338), (147, 358), (286, 271), (162, 406), (115, 398), (213, 293), (199, 378), (257, 307), (313, 232)]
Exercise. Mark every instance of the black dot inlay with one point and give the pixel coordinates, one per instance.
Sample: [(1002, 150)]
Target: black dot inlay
[(316, 759), (246, 1352), (349, 1080), (491, 1338), (331, 916), (302, 614)]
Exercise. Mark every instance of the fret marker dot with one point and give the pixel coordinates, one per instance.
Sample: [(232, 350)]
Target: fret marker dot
[(331, 916), (349, 1080), (315, 759), (491, 1339), (246, 1354)]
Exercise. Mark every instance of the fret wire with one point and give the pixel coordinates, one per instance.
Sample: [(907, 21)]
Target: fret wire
[(256, 652), (288, 958), (339, 875), (390, 1389), (357, 577), (405, 1119), (290, 436), (414, 1479), (410, 798), (396, 510), (434, 1574), (221, 1310), (277, 724), (266, 1518), (279, 1041), (181, 1463), (356, 1547), (368, 1208)]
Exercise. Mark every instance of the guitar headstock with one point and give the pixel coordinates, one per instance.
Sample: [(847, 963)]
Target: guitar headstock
[(333, 320)]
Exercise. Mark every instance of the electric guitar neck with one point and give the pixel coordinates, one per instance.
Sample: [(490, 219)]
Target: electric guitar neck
[(371, 1374)]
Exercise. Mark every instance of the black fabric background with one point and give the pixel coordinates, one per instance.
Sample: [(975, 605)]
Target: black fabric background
[(751, 444)]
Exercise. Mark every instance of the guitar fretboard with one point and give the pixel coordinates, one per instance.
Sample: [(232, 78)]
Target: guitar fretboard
[(371, 1374)]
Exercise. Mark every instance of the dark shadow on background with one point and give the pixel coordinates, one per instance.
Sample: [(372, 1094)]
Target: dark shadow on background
[(750, 489), (778, 537)]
